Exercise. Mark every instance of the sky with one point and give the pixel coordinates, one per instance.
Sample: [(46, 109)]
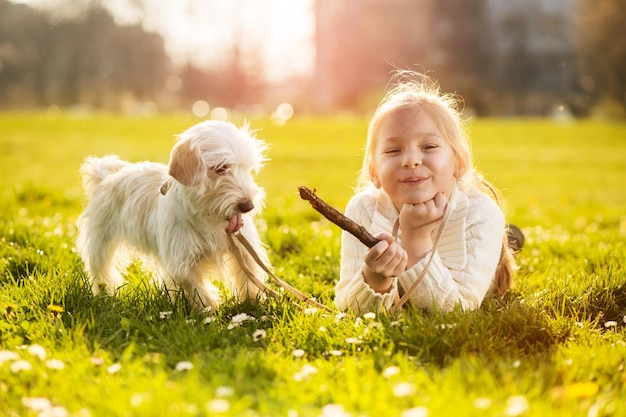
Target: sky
[(279, 33)]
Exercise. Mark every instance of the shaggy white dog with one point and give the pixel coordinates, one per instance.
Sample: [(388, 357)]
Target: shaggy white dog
[(177, 215)]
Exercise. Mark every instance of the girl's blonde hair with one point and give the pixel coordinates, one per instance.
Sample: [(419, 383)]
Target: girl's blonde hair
[(420, 93)]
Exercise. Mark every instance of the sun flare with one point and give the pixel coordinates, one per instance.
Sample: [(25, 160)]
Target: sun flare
[(274, 34)]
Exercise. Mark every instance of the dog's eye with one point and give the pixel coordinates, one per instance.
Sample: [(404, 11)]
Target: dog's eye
[(220, 169)]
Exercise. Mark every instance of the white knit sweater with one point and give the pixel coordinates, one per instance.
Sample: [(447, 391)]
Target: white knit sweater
[(463, 267)]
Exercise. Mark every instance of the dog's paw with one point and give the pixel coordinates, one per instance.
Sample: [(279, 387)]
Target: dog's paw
[(101, 289)]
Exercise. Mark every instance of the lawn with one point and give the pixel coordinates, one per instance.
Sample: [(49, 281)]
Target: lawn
[(554, 346)]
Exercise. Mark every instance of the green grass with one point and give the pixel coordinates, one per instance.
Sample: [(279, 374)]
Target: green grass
[(553, 346)]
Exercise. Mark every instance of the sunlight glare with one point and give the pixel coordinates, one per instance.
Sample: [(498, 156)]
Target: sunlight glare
[(277, 34)]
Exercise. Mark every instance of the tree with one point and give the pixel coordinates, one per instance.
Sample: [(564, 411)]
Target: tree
[(83, 59), (532, 56), (462, 47), (359, 42), (23, 49), (602, 47)]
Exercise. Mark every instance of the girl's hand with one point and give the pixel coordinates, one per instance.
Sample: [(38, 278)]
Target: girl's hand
[(417, 222), (384, 261), (421, 219)]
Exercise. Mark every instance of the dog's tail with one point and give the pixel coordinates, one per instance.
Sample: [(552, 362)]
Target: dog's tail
[(94, 170)]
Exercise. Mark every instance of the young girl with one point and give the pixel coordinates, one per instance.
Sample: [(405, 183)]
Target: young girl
[(417, 173)]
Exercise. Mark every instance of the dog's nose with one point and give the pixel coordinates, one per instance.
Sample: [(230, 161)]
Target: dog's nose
[(245, 206)]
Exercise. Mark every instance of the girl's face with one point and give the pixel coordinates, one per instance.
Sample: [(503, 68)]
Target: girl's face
[(412, 160)]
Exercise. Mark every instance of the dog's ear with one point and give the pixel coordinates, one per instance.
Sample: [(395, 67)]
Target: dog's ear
[(186, 166)]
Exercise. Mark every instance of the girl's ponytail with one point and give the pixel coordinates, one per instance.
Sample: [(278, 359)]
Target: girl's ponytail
[(505, 270)]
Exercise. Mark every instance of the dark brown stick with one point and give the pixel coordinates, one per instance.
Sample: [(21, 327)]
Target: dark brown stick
[(337, 217)]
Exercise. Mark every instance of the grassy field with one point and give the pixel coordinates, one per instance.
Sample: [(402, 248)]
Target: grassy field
[(554, 346)]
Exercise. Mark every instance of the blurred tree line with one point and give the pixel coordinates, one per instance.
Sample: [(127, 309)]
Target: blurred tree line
[(87, 59), (503, 57), (602, 45), (514, 57)]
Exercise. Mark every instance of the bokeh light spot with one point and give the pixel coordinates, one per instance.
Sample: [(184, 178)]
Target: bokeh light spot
[(219, 113), (282, 114), (200, 108)]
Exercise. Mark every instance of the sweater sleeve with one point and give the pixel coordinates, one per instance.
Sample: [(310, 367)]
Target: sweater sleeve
[(461, 271), (352, 292), (443, 286)]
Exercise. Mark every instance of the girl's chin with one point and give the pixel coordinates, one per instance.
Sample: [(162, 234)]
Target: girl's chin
[(422, 197), (418, 199)]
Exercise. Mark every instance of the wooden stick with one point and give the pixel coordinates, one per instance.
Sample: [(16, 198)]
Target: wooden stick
[(337, 217)]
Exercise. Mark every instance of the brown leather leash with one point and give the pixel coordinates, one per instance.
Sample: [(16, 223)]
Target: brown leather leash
[(397, 305), (260, 285)]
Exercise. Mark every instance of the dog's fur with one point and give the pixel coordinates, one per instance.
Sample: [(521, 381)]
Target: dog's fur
[(177, 215)]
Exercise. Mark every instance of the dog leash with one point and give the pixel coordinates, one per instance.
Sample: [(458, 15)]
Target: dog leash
[(396, 306), (260, 285)]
